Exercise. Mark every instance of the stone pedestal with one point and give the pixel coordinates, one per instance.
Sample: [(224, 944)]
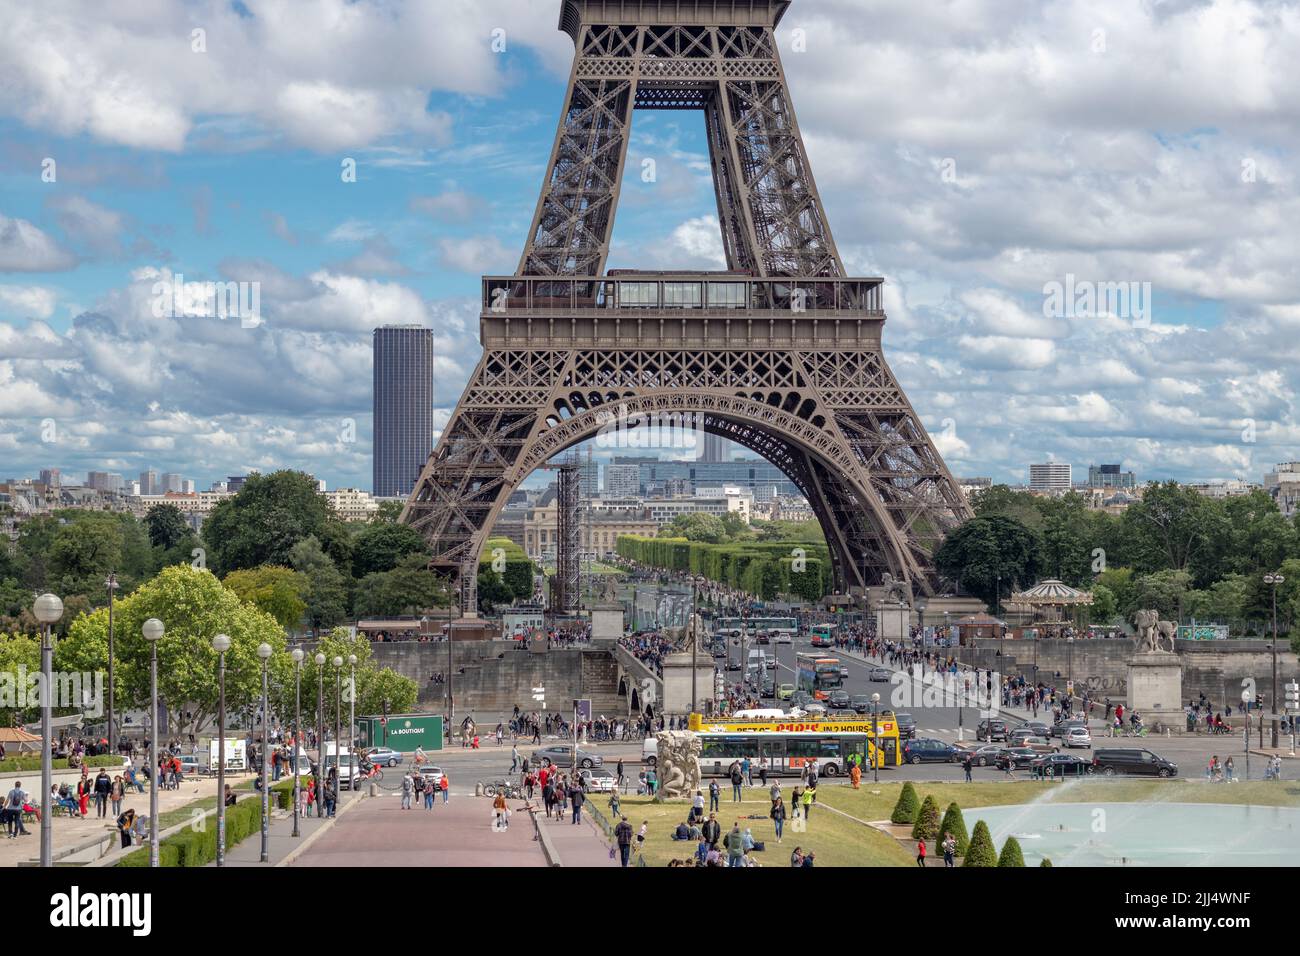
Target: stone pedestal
[(892, 621), (677, 683), (1155, 689), (607, 622)]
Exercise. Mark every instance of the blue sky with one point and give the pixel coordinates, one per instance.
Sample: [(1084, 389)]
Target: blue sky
[(970, 152)]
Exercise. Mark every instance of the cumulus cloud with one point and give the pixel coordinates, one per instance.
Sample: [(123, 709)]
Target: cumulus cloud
[(25, 248)]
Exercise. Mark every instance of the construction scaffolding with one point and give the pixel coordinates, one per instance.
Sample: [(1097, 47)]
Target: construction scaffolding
[(568, 540)]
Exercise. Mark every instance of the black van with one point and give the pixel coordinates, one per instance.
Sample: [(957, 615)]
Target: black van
[(1113, 760), (991, 730)]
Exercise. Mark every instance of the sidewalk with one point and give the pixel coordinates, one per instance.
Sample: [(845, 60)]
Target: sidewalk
[(72, 833), (583, 844), (281, 842)]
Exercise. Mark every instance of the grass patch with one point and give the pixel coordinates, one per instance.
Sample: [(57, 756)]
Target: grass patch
[(836, 840)]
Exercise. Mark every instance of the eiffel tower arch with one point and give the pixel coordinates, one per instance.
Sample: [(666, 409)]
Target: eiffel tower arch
[(780, 353)]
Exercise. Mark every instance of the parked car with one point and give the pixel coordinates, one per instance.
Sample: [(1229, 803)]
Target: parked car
[(879, 674), (1062, 727), (1017, 757), (561, 755), (1078, 737), (762, 638), (927, 750), (814, 708), (1116, 760), (840, 699), (784, 691), (861, 703), (189, 764), (1024, 737), (987, 755), (599, 780), (771, 664), (991, 729), (906, 726), (1061, 765), (384, 756), (1039, 728)]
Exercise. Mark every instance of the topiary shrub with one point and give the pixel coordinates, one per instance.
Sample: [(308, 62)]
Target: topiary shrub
[(1011, 855), (908, 806), (981, 851), (954, 824), (1047, 861), (927, 821)]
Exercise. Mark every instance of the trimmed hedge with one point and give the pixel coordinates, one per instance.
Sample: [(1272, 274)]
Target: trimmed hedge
[(199, 848), (33, 764), (955, 825), (927, 821), (761, 568), (1011, 855), (908, 806), (1047, 861), (981, 851)]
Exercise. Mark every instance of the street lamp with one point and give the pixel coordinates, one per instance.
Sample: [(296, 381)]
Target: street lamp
[(221, 644), (111, 584), (352, 720), (264, 652), (48, 609), (152, 630), (1274, 580), (696, 580), (320, 726), (1245, 713), (297, 656), (338, 736), (1069, 665), (875, 737)]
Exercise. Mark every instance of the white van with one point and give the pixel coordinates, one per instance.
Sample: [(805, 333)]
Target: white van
[(346, 764)]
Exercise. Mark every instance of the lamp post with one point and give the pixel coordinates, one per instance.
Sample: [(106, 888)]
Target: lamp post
[(1069, 666), (352, 720), (48, 609), (264, 652), (875, 737), (111, 584), (298, 748), (695, 640), (221, 644), (451, 700), (152, 630), (320, 726), (338, 736), (1274, 580), (1245, 713)]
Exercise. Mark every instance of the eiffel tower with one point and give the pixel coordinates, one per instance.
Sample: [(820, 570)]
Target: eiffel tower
[(781, 353)]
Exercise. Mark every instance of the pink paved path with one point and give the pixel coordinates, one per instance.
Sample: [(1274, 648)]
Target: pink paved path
[(459, 833)]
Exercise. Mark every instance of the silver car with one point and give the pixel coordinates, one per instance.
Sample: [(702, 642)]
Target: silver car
[(561, 755)]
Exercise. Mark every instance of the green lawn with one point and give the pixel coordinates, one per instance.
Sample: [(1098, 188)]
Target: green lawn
[(839, 841)]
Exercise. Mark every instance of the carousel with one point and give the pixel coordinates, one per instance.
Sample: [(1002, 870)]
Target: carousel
[(1052, 607)]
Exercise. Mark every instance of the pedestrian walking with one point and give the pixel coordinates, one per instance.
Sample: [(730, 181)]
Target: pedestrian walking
[(623, 836), (966, 766), (737, 779), (500, 820), (778, 818), (715, 795), (444, 785), (408, 789), (920, 852), (809, 795)]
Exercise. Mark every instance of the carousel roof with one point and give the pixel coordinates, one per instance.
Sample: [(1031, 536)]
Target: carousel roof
[(1051, 592)]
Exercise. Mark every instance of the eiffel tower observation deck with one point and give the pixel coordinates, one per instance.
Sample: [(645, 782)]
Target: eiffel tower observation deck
[(780, 352)]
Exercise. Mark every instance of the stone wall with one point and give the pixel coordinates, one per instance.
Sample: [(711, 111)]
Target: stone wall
[(1213, 668)]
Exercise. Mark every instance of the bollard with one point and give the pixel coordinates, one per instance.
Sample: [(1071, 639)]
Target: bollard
[(374, 789), (478, 789)]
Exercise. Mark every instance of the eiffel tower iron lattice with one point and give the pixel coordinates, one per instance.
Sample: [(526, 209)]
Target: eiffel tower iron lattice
[(780, 353)]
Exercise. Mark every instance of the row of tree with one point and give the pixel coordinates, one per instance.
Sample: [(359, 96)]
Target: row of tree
[(1185, 554), (766, 569)]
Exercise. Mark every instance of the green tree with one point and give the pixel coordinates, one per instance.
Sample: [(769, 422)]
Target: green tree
[(269, 515), (734, 527), (1120, 582), (1067, 538), (699, 527), (954, 824), (83, 552), (1002, 500), (927, 820), (277, 591), (389, 511), (1011, 855), (410, 588), (380, 546), (1104, 606), (981, 851), (375, 686), (167, 527), (1174, 528), (327, 595), (908, 806), (985, 549), (1165, 591), (20, 654), (1045, 861), (194, 607)]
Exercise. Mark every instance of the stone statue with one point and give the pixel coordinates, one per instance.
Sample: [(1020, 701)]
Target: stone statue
[(897, 591), (611, 589), (678, 764), (1151, 631)]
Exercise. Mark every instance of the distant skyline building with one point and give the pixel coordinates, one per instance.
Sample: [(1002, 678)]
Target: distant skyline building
[(622, 481), (1050, 476), (691, 474), (403, 407), (50, 477), (1110, 476), (149, 482), (716, 448), (171, 482)]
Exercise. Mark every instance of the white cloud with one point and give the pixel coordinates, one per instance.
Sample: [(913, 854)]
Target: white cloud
[(27, 301), (478, 255), (24, 248)]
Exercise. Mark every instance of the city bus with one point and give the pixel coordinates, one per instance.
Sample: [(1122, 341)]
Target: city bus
[(822, 635), (816, 675), (785, 745), (781, 630)]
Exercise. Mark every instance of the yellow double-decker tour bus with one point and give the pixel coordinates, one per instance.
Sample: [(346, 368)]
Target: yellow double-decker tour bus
[(786, 745)]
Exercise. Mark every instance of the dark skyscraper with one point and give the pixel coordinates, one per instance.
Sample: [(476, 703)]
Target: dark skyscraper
[(403, 407)]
